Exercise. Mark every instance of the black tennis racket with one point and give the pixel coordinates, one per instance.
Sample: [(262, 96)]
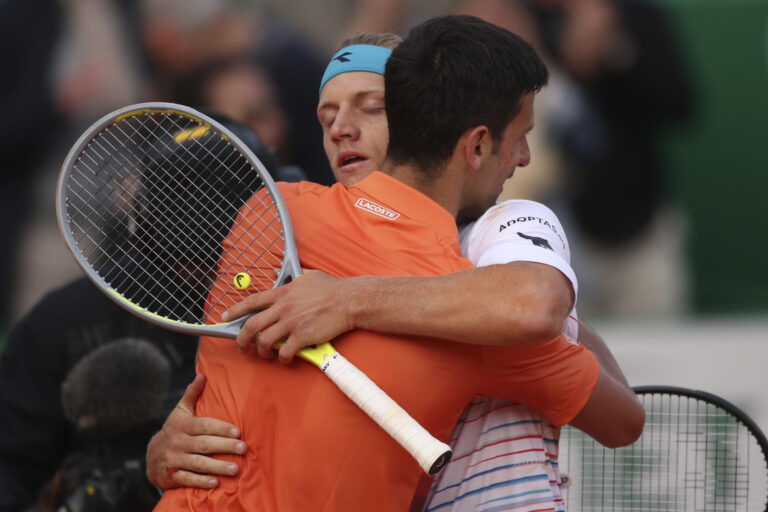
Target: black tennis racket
[(146, 198), (698, 452)]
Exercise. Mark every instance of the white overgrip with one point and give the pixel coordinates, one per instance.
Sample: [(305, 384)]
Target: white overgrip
[(431, 454)]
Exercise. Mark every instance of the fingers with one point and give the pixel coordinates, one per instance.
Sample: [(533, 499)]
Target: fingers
[(303, 312), (252, 304), (265, 344), (289, 349), (191, 470), (194, 426), (191, 394), (183, 478), (179, 453), (199, 470), (182, 420), (205, 466), (210, 445), (251, 331), (274, 335), (265, 331), (188, 458)]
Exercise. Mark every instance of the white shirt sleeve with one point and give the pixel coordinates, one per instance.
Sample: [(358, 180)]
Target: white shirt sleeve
[(521, 230)]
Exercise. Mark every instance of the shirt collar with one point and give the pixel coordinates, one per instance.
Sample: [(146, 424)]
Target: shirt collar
[(408, 201)]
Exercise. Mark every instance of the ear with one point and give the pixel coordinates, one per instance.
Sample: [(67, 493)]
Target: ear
[(477, 146)]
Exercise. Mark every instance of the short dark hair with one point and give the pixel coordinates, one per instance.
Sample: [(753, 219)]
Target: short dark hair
[(450, 74)]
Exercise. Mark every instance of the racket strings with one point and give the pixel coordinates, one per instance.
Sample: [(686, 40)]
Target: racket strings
[(263, 251), (266, 280), (692, 456), (142, 196), (269, 245), (267, 207), (227, 161), (119, 276)]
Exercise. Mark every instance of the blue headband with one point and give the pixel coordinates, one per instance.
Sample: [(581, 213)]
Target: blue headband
[(357, 57)]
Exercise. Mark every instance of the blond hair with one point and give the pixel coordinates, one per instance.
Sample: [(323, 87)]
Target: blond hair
[(383, 39)]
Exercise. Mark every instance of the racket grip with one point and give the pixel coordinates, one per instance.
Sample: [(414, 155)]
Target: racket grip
[(431, 454)]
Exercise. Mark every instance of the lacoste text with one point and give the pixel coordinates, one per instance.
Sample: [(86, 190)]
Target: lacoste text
[(379, 210)]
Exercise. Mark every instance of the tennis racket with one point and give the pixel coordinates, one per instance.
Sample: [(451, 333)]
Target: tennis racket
[(146, 198), (697, 452)]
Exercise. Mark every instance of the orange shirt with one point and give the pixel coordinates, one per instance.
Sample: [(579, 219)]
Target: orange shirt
[(309, 447)]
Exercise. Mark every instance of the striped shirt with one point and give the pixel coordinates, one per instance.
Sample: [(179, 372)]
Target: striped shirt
[(505, 454), (505, 458)]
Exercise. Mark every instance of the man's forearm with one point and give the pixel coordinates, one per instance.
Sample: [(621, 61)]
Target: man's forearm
[(613, 415), (508, 304), (597, 346), (496, 305)]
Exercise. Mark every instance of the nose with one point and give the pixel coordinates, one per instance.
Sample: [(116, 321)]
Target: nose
[(525, 153), (343, 128)]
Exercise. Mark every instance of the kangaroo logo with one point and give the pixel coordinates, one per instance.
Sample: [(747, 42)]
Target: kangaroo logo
[(541, 242)]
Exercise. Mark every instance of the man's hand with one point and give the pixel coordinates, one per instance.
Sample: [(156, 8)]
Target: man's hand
[(531, 302), (177, 454), (312, 309)]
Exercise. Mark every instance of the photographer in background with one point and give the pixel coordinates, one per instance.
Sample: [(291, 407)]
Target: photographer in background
[(64, 327), (71, 324), (112, 397)]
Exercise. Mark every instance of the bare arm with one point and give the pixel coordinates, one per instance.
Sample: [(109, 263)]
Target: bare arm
[(613, 414), (185, 442), (513, 303)]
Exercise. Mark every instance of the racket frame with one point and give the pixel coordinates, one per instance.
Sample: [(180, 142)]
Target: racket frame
[(431, 453), (715, 400), (290, 267), (707, 398)]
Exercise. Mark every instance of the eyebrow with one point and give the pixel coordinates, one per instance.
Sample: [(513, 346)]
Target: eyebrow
[(369, 90), (356, 96)]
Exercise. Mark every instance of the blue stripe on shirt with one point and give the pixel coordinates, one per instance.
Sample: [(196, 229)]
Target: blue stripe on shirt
[(492, 486)]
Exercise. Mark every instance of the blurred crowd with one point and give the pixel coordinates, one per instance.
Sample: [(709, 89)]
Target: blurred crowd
[(619, 80)]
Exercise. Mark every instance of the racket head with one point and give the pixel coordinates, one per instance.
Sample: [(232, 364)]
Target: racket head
[(146, 197), (698, 452)]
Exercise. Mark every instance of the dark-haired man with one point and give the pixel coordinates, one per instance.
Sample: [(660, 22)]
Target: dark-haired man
[(459, 96)]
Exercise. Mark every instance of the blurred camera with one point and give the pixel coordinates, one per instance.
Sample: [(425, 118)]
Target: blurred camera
[(100, 481)]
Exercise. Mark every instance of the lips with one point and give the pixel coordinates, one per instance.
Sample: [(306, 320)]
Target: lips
[(347, 160)]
